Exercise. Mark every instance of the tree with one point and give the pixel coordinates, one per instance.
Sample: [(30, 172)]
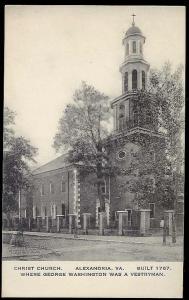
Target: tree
[(18, 152), (164, 101), (82, 130)]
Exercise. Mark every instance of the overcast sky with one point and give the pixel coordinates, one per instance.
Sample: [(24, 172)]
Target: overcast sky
[(49, 50)]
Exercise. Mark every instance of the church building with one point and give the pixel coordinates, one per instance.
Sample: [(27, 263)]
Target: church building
[(62, 188)]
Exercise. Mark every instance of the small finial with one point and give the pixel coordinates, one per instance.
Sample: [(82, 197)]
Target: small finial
[(133, 23)]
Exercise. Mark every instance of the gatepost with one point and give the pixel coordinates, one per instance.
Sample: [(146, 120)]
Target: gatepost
[(144, 221), (86, 222), (47, 224), (39, 222), (168, 216), (29, 224), (122, 221), (58, 220), (72, 222), (102, 219)]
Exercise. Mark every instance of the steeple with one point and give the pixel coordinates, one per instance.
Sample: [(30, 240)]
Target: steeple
[(128, 112), (134, 68), (133, 23)]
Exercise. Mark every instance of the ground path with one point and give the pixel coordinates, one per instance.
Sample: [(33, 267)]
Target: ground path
[(57, 246)]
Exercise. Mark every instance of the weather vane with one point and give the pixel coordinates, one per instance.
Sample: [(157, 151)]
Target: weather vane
[(133, 15)]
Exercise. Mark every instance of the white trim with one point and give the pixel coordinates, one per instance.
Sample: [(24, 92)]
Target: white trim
[(50, 187)]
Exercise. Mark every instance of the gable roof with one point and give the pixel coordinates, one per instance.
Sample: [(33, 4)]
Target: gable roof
[(54, 164)]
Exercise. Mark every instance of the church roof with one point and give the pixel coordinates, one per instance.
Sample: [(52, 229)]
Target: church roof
[(54, 164), (133, 30)]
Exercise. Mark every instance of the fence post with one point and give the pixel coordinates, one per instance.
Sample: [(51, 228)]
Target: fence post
[(164, 234)]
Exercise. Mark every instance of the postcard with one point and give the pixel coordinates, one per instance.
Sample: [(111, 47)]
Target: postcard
[(93, 157)]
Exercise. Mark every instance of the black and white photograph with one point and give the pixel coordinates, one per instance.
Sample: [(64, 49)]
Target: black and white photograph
[(94, 121)]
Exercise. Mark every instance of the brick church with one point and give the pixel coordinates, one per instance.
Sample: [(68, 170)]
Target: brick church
[(62, 188)]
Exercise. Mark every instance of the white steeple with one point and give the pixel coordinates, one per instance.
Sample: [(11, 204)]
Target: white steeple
[(134, 68)]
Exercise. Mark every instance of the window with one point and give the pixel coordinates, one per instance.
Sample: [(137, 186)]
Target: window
[(152, 210), (126, 82), (121, 107), (42, 189), (53, 211), (63, 186), (143, 80), (134, 79), (127, 111), (140, 47), (121, 154), (121, 123), (103, 187), (63, 209), (134, 46), (51, 188), (34, 211), (43, 211), (127, 49)]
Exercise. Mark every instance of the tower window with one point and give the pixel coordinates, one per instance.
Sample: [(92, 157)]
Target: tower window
[(126, 82), (143, 80), (121, 107), (140, 47), (127, 49), (134, 46), (121, 154), (121, 122), (134, 79)]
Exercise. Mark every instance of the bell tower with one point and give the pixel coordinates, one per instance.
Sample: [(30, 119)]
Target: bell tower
[(127, 109), (136, 144), (134, 69)]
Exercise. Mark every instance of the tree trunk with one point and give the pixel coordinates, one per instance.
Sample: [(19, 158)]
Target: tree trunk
[(173, 229), (100, 178)]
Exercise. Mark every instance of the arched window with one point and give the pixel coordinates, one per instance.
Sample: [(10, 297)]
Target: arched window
[(121, 116), (134, 46), (127, 49), (126, 82), (143, 80), (134, 79)]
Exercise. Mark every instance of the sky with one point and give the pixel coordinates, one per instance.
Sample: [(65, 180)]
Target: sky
[(50, 50)]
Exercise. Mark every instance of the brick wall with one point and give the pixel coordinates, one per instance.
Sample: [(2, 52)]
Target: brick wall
[(58, 197)]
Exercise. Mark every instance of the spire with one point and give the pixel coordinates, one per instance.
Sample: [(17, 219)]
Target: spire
[(133, 23)]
